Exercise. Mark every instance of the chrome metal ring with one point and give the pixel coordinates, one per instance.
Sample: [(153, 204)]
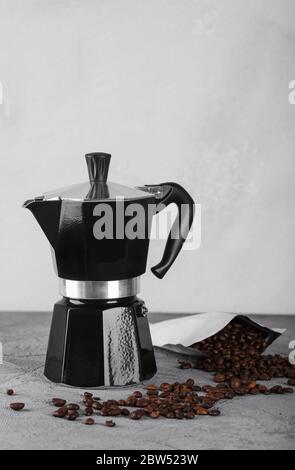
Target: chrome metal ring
[(99, 290)]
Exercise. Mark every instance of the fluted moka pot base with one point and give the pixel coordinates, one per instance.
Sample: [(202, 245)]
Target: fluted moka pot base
[(100, 343)]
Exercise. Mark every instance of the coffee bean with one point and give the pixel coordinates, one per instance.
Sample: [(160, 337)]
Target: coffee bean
[(151, 387), (206, 388), (288, 390), (137, 414), (104, 411), (114, 411), (241, 391), (88, 395), (9, 391), (111, 403), (200, 410), (125, 412), (88, 403), (88, 421), (254, 391), (152, 392), (165, 387), (110, 423), (122, 402), (219, 378), (131, 401), (96, 405), (17, 406), (251, 384), (184, 365), (142, 402), (235, 383), (137, 394), (154, 414), (214, 412), (73, 407), (88, 411), (96, 398), (72, 415), (59, 402), (190, 382), (60, 412), (276, 389)]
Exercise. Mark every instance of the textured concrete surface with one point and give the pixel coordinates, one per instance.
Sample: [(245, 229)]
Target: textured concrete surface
[(255, 422)]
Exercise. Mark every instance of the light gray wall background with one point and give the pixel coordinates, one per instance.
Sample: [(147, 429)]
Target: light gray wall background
[(194, 91)]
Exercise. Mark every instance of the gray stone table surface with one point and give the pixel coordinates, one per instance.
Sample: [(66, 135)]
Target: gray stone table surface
[(252, 422)]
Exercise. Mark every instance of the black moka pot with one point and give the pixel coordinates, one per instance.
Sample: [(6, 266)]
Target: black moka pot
[(99, 233)]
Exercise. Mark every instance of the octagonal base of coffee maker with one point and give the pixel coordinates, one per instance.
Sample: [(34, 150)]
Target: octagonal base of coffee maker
[(95, 343)]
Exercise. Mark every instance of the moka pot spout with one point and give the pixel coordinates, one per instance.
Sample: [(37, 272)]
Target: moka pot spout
[(47, 214)]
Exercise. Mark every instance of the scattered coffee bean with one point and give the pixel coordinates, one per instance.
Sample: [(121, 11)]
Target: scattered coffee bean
[(72, 415), (189, 415), (114, 411), (200, 410), (137, 394), (73, 407), (9, 391), (142, 402), (88, 403), (131, 401), (17, 406), (152, 387), (190, 382), (60, 412), (219, 378), (276, 389), (88, 421), (88, 395), (165, 387), (214, 412), (58, 402), (88, 411), (110, 424), (125, 412), (96, 405), (184, 365), (122, 402), (155, 414), (235, 383), (137, 414)]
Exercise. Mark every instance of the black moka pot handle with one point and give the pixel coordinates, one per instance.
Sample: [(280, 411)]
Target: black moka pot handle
[(173, 193)]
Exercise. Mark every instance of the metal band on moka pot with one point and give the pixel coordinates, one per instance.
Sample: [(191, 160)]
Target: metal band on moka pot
[(99, 290)]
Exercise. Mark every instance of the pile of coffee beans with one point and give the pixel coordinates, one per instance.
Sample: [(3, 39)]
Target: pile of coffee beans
[(235, 357), (235, 339), (169, 400)]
